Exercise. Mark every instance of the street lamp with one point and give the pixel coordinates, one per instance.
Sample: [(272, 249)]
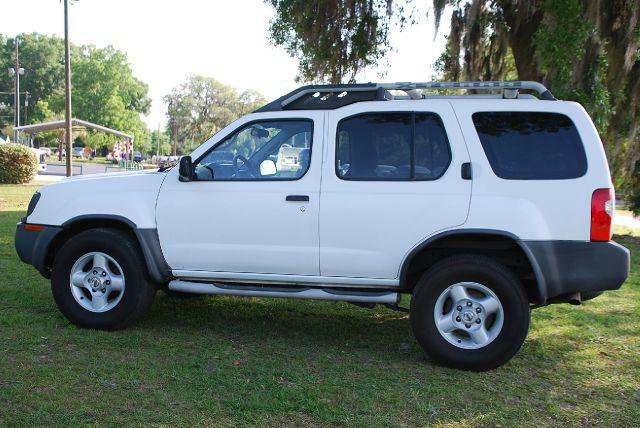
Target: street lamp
[(12, 71)]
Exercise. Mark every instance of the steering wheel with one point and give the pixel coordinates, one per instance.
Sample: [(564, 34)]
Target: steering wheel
[(245, 162), (209, 168)]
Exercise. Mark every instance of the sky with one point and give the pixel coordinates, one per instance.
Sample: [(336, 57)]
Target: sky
[(228, 40)]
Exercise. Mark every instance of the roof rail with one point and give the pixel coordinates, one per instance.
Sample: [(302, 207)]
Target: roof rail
[(339, 95)]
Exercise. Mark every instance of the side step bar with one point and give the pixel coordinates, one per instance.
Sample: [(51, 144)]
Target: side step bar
[(382, 297)]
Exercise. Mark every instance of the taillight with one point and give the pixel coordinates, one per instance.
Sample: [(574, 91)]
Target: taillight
[(602, 207)]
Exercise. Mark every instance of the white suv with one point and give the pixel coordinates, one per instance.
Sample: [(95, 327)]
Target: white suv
[(481, 206)]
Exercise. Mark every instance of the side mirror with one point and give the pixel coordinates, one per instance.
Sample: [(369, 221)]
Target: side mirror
[(186, 169), (268, 167)]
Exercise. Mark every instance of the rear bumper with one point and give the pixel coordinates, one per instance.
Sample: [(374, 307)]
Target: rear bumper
[(32, 246), (566, 267)]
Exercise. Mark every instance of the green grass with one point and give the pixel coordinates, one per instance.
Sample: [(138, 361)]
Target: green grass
[(232, 361), (626, 231)]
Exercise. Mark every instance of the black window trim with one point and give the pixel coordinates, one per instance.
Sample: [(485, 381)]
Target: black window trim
[(250, 123), (586, 157), (412, 151)]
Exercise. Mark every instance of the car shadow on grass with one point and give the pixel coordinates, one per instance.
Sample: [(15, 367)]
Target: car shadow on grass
[(297, 321)]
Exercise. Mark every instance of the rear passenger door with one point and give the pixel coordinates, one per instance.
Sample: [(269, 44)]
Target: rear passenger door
[(391, 178)]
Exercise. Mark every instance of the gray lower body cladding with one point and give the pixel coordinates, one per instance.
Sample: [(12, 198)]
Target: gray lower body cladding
[(32, 246), (157, 266), (565, 267)]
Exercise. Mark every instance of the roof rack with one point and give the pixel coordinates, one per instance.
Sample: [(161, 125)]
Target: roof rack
[(334, 96)]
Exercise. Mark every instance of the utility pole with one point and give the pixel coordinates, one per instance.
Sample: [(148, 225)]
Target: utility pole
[(174, 130), (16, 74), (67, 70), (158, 137), (16, 133), (175, 138)]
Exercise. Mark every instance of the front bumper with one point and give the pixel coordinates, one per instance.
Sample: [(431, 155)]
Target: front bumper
[(566, 267), (32, 246)]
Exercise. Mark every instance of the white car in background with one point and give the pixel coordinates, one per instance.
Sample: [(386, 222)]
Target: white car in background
[(42, 158), (45, 150)]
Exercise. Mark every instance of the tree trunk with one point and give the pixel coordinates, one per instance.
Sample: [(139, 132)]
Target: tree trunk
[(523, 20)]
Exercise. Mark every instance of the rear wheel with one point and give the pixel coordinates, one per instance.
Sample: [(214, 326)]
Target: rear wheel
[(470, 312), (99, 280)]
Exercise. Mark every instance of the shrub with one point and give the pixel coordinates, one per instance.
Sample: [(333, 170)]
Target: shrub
[(18, 164)]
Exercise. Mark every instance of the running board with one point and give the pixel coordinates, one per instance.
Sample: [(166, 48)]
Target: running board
[(383, 297)]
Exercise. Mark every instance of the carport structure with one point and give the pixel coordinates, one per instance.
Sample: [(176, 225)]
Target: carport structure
[(75, 124)]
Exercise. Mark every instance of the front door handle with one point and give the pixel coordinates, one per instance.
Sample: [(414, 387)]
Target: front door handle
[(297, 198), (466, 172)]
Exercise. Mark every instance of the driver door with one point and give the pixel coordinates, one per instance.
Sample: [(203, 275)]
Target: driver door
[(253, 206)]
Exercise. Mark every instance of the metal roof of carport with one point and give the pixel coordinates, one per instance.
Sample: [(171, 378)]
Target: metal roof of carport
[(58, 124)]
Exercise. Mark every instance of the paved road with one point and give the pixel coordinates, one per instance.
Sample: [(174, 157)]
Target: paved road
[(58, 168)]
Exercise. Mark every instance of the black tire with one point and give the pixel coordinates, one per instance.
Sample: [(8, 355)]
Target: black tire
[(138, 292), (470, 269)]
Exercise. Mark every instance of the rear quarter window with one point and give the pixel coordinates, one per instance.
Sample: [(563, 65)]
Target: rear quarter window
[(531, 145)]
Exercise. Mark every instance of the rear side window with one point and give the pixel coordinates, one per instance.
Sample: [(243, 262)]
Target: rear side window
[(392, 146), (531, 145)]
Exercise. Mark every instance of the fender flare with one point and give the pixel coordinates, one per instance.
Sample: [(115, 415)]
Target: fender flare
[(147, 238), (541, 286)]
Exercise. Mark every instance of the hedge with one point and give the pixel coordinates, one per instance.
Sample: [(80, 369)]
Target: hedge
[(18, 164)]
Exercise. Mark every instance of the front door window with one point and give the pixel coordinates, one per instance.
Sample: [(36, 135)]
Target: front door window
[(265, 150)]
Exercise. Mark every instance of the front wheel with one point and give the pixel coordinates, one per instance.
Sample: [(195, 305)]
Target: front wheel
[(99, 280), (470, 312)]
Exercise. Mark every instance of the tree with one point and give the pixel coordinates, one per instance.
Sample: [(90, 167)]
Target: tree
[(44, 114), (43, 59), (584, 50), (202, 106), (105, 91), (332, 39)]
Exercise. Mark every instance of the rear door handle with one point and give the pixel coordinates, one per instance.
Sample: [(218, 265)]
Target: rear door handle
[(297, 198)]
